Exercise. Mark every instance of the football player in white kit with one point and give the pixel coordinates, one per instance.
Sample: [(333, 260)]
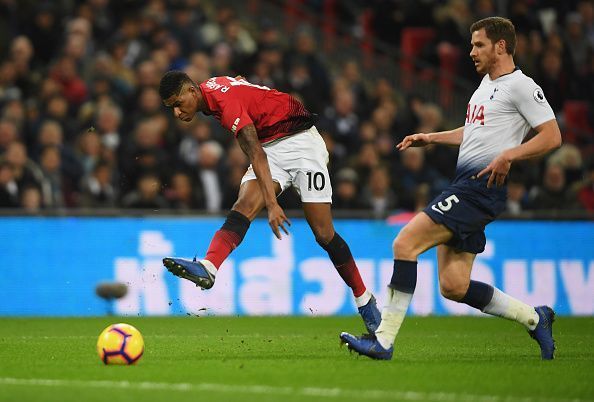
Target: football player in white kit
[(504, 108)]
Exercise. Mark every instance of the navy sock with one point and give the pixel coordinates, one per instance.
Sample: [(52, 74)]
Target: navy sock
[(340, 255), (478, 295), (404, 277)]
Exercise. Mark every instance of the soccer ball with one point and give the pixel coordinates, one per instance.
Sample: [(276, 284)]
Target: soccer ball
[(120, 344)]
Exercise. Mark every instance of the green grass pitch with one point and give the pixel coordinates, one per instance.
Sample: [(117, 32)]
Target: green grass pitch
[(294, 359)]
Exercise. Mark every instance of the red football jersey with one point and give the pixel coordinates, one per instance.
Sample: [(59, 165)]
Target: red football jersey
[(237, 103)]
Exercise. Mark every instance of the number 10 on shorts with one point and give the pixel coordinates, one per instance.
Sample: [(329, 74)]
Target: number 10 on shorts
[(446, 205), (315, 180)]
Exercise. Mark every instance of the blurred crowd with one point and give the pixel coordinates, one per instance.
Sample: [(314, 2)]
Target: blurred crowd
[(82, 124)]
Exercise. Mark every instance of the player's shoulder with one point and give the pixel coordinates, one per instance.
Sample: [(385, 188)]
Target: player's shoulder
[(523, 86), (215, 83), (519, 78)]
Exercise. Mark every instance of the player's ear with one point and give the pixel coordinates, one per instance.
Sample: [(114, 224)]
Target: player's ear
[(501, 46)]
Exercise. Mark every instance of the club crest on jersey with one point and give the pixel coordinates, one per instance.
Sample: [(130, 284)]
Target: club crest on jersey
[(539, 96), (477, 116), (493, 94)]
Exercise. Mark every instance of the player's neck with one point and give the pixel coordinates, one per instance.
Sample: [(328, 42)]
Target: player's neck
[(503, 67)]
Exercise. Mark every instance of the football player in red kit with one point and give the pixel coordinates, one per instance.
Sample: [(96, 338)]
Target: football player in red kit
[(278, 135)]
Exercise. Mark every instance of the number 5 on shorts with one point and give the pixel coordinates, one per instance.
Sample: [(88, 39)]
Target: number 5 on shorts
[(446, 205)]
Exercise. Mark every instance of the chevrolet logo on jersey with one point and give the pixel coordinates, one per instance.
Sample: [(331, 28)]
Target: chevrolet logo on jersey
[(234, 126)]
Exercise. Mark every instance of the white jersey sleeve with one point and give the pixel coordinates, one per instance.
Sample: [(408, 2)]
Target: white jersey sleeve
[(531, 102)]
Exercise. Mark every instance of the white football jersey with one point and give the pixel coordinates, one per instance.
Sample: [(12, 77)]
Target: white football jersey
[(499, 115)]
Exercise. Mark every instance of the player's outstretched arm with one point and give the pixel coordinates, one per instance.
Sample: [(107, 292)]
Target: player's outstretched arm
[(249, 143), (450, 137), (548, 137)]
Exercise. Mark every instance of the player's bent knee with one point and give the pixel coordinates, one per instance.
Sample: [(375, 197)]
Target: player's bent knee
[(403, 249), (453, 290), (323, 236), (246, 208)]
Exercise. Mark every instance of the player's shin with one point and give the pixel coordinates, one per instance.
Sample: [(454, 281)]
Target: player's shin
[(340, 255), (400, 293), (227, 238)]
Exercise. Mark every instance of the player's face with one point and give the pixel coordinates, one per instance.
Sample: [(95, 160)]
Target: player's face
[(184, 105), (483, 52)]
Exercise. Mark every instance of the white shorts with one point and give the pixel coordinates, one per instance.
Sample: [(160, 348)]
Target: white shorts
[(299, 160)]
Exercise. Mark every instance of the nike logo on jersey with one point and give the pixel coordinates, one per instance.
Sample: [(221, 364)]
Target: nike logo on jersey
[(477, 116)]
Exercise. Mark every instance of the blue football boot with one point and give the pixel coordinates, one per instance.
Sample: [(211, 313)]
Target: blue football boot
[(193, 271), (371, 315), (543, 333), (367, 345)]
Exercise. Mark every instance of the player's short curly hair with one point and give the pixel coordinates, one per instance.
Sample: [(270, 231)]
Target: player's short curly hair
[(498, 28), (172, 83)]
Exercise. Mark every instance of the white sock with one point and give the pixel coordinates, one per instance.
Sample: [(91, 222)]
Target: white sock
[(503, 305), (392, 317), (209, 267), (363, 299)]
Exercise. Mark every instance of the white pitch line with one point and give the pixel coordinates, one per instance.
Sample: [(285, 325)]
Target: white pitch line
[(395, 395)]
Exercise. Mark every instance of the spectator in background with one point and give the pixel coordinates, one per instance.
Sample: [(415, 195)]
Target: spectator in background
[(377, 193), (181, 194), (586, 10), (441, 159), (74, 62), (143, 154), (415, 172), (552, 79), (108, 118), (299, 81), (25, 171), (98, 190), (51, 134), (585, 191), (57, 110), (8, 134), (9, 191), (341, 120), (346, 191), (198, 133), (305, 49), (569, 158), (45, 33), (351, 74), (31, 200), (552, 194), (517, 197), (210, 176), (577, 44), (89, 150), (21, 55), (53, 181), (365, 161), (64, 72), (147, 194)]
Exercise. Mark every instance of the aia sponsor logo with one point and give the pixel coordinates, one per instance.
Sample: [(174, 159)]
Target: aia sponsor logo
[(475, 114)]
